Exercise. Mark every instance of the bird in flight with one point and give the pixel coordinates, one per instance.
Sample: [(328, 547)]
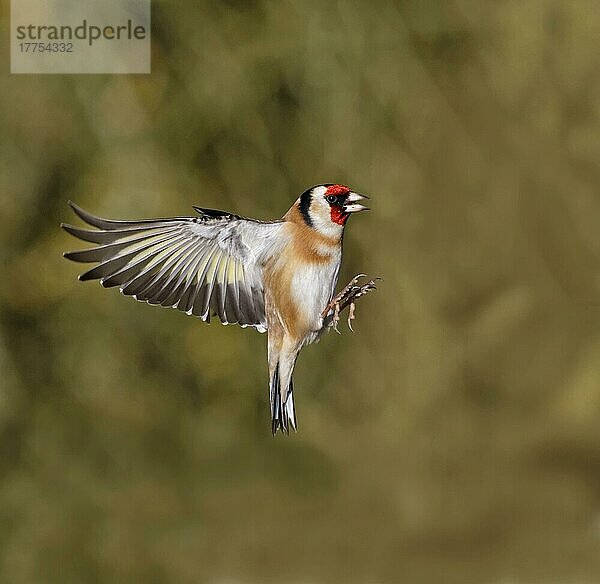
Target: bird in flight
[(276, 276)]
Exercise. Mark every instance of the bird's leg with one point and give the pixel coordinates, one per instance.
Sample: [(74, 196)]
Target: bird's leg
[(337, 300), (355, 293), (347, 297)]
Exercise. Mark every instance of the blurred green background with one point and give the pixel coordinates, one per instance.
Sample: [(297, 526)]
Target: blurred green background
[(454, 438)]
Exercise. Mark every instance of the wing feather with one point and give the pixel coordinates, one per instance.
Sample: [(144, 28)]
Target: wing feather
[(213, 275), (195, 282), (159, 291), (153, 248), (206, 265), (142, 284), (232, 295), (108, 250), (201, 300), (187, 280), (179, 275), (143, 263)]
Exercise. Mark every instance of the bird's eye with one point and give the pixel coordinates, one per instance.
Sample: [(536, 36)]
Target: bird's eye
[(331, 199)]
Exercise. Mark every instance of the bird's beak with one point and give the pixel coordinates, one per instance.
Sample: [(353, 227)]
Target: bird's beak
[(352, 206)]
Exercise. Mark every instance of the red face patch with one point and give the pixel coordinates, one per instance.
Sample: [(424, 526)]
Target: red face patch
[(337, 190), (338, 216)]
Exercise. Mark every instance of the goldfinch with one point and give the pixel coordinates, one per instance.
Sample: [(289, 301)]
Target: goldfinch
[(276, 276)]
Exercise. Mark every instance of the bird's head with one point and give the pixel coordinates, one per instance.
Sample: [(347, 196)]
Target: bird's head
[(327, 207)]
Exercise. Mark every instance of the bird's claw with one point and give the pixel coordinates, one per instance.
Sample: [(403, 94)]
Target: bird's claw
[(336, 318), (351, 316), (347, 297)]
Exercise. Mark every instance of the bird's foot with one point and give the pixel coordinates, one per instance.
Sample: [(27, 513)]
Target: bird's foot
[(347, 297)]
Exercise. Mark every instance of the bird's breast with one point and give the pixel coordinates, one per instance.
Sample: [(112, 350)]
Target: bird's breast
[(312, 288), (298, 286), (300, 280)]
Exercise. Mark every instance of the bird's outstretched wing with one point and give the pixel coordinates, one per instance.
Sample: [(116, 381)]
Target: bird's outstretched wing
[(205, 265)]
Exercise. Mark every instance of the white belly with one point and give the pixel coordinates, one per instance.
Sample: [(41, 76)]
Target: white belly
[(313, 286)]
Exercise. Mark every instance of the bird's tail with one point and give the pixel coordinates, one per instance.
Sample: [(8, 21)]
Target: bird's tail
[(283, 415)]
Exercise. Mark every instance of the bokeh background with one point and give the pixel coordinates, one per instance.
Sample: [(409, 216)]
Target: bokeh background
[(454, 438)]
